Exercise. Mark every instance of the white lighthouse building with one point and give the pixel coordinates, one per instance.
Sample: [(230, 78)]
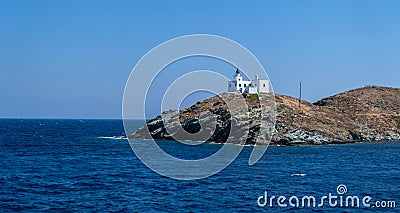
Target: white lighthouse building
[(255, 86)]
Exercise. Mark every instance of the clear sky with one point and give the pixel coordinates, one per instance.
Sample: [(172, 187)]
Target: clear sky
[(71, 59)]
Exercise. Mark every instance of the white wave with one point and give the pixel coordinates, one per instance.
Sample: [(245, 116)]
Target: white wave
[(298, 174), (232, 144), (113, 137)]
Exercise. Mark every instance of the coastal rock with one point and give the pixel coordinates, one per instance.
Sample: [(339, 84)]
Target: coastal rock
[(301, 137)]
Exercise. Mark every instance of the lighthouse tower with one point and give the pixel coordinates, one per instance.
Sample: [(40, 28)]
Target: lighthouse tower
[(237, 75)]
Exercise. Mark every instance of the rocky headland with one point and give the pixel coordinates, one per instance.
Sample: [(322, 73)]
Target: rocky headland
[(371, 113)]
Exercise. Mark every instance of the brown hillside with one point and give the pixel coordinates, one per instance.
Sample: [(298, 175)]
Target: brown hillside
[(371, 108)]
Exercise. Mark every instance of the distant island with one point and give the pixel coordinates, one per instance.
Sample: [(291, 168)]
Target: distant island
[(371, 113)]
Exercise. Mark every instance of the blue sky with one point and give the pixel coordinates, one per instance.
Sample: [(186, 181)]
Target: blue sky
[(71, 59)]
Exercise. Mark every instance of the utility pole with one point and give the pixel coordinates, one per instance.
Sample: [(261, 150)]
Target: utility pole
[(300, 96)]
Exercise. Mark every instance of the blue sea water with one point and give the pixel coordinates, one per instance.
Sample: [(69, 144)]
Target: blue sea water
[(73, 165)]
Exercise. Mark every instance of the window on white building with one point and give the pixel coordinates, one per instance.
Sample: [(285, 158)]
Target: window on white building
[(263, 85), (240, 85), (244, 85)]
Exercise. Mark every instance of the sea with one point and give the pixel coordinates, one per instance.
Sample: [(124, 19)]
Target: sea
[(84, 166)]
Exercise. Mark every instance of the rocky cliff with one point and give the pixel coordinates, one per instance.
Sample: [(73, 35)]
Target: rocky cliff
[(365, 114)]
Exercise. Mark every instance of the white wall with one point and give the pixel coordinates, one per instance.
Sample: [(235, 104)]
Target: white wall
[(251, 90), (261, 86), (241, 85)]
